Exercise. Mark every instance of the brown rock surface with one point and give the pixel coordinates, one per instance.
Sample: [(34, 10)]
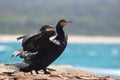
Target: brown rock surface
[(58, 72)]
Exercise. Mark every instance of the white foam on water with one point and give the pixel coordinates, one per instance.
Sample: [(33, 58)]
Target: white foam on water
[(2, 47)]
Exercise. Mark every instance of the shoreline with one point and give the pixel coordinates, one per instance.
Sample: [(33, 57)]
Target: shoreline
[(71, 39)]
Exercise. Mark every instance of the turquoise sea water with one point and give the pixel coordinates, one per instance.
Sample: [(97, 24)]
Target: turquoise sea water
[(96, 57)]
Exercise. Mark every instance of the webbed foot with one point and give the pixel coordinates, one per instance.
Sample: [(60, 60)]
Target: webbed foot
[(45, 71)]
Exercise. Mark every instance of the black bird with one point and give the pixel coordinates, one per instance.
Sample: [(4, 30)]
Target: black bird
[(54, 47), (48, 49)]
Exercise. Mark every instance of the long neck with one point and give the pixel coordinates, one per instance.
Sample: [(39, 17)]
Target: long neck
[(60, 32)]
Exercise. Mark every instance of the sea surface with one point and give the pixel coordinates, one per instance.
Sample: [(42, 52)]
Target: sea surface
[(96, 57)]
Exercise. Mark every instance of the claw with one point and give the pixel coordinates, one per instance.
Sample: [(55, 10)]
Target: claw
[(45, 71)]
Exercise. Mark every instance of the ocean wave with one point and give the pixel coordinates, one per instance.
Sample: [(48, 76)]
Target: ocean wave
[(102, 71), (4, 48)]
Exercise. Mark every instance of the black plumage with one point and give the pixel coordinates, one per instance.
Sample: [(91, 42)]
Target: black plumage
[(29, 42), (48, 50)]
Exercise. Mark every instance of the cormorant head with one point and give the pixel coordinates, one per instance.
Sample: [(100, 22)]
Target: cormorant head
[(63, 22), (46, 28)]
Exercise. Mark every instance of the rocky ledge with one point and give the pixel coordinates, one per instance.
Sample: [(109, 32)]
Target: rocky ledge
[(58, 72)]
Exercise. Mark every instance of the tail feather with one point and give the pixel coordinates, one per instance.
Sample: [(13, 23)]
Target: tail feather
[(17, 65), (17, 52)]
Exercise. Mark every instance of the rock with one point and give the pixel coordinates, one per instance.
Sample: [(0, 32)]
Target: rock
[(58, 72)]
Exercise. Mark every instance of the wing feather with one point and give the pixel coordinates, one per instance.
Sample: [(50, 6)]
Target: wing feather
[(37, 41)]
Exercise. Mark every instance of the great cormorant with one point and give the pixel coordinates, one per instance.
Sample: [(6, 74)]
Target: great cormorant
[(48, 49)]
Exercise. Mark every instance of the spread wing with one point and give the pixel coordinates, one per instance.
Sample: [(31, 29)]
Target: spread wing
[(34, 43), (37, 41)]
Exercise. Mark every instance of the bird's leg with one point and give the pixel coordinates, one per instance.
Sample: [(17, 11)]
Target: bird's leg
[(31, 73), (36, 72), (45, 71)]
